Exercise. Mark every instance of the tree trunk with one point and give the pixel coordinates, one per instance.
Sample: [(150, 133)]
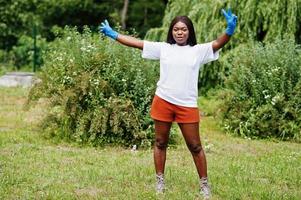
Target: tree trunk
[(145, 16), (124, 13)]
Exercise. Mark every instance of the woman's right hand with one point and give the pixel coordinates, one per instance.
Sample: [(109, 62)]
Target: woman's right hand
[(107, 30), (123, 39)]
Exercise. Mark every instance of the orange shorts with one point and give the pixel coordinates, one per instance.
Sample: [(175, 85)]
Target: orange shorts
[(164, 111)]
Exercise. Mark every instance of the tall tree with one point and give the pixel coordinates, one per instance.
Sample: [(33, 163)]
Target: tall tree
[(124, 13)]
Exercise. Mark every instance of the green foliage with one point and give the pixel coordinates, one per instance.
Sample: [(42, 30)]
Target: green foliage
[(18, 16), (262, 96), (5, 62), (22, 54), (2, 70), (61, 13), (99, 91), (16, 19), (257, 21), (144, 14)]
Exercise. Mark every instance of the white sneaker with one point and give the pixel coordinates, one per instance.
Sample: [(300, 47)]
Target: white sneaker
[(160, 183), (204, 188)]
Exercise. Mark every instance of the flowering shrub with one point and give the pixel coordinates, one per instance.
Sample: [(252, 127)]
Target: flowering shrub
[(99, 91), (263, 91)]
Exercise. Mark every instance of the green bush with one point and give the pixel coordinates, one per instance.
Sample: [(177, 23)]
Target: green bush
[(263, 92), (99, 91), (3, 60), (23, 53)]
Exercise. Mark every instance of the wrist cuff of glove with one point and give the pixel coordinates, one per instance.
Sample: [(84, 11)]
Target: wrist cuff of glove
[(114, 35), (229, 31)]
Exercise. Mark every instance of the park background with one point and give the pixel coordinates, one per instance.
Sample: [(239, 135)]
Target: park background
[(71, 135)]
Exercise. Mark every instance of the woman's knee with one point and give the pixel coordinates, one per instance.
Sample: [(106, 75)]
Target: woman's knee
[(195, 148), (161, 144)]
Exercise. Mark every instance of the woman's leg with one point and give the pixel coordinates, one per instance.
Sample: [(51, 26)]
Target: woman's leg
[(191, 135), (161, 141)]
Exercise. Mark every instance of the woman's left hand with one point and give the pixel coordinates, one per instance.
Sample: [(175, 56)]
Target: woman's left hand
[(231, 21)]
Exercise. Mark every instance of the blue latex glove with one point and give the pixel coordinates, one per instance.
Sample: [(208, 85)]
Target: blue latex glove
[(231, 21), (107, 30)]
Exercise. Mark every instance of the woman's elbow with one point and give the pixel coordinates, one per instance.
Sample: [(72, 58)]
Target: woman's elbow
[(215, 46)]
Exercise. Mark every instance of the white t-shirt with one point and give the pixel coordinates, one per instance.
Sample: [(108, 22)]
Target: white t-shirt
[(179, 69)]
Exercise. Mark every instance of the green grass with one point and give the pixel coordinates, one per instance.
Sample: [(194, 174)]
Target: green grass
[(32, 167)]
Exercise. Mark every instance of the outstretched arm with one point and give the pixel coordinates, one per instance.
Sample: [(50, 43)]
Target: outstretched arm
[(130, 41), (123, 39), (225, 37)]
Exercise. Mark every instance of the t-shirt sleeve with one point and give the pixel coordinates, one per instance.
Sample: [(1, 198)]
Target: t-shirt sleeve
[(206, 53), (151, 50)]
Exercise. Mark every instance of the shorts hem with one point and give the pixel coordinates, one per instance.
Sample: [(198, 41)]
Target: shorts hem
[(160, 119), (182, 122), (187, 122)]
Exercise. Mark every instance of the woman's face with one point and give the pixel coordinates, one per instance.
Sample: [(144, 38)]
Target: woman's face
[(180, 33)]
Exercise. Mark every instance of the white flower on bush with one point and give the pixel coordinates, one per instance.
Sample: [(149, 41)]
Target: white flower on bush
[(94, 81), (87, 48), (227, 127), (275, 99), (91, 47), (276, 69), (265, 93), (83, 49), (247, 138), (67, 79), (68, 38)]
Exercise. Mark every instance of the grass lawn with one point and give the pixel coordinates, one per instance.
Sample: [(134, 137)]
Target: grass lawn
[(32, 167)]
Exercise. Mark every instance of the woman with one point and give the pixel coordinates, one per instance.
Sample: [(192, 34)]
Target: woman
[(176, 94)]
